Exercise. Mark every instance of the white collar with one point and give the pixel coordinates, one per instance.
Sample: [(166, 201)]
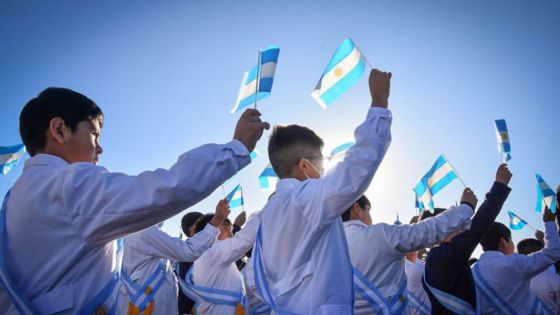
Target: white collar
[(46, 160)]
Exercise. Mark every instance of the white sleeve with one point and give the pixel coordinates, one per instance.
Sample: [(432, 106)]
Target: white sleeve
[(154, 242), (104, 206), (537, 262), (239, 244), (325, 199), (412, 237)]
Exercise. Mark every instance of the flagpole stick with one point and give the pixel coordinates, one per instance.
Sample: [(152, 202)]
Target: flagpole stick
[(458, 176), (258, 78), (224, 191)]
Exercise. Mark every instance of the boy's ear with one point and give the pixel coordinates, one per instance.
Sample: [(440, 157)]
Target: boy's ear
[(56, 129)]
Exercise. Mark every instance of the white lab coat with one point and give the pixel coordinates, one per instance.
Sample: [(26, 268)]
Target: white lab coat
[(510, 276), (216, 267), (546, 286), (145, 251), (378, 251), (414, 272), (304, 248), (62, 219)]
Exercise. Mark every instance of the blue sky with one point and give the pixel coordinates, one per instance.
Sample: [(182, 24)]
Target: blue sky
[(166, 75)]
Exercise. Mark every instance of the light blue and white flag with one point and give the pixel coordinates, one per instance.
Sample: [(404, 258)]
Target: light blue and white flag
[(344, 69), (502, 135), (439, 176), (545, 196), (248, 91), (254, 154), (337, 153), (235, 197), (10, 156), (515, 222), (268, 178), (420, 205)]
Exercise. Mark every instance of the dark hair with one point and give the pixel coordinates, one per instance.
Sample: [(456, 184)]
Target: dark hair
[(472, 261), (529, 246), (70, 106), (189, 220), (427, 214), (363, 202), (204, 220), (496, 232), (288, 145)]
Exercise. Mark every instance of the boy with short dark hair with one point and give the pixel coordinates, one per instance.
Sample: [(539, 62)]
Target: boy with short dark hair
[(63, 260)]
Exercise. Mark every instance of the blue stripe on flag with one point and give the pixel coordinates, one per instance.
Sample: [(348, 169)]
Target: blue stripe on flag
[(268, 172), (501, 125), (265, 84), (341, 52), (443, 182), (270, 54), (344, 84), (18, 148), (515, 222), (250, 100)]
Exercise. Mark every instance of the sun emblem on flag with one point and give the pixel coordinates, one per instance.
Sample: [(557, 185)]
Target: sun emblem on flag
[(338, 72)]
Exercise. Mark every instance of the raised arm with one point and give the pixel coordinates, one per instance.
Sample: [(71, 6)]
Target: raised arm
[(323, 200), (236, 246)]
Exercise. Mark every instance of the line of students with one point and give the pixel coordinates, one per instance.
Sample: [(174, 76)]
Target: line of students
[(314, 247)]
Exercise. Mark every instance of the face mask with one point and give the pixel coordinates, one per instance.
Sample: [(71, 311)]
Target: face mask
[(321, 173)]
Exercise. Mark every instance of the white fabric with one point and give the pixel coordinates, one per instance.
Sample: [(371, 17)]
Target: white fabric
[(216, 267), (378, 251), (144, 252), (510, 276), (304, 248), (61, 219), (414, 272), (546, 286)]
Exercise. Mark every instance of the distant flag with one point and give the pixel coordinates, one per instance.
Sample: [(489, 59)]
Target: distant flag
[(338, 152), (254, 154), (398, 222), (268, 178), (344, 69), (502, 136), (235, 197), (515, 222), (247, 92), (545, 196), (10, 156), (439, 176)]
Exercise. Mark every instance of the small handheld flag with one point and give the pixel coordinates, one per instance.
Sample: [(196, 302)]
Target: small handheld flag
[(545, 196), (515, 222), (502, 136), (235, 197), (345, 68), (268, 178), (10, 156), (440, 175), (259, 77)]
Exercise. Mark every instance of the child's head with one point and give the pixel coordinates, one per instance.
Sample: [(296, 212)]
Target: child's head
[(188, 222), (64, 123), (498, 238), (359, 211), (225, 229), (295, 151), (529, 246)]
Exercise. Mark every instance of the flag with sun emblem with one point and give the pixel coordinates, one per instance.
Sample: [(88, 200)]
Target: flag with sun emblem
[(346, 66)]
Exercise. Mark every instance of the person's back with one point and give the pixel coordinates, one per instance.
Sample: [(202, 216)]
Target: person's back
[(301, 257), (64, 212)]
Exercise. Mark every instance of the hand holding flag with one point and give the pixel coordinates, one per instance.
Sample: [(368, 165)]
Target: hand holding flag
[(469, 198), (379, 88), (503, 175), (221, 213), (249, 128)]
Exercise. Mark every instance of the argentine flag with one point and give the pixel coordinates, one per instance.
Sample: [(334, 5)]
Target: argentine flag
[(545, 196), (343, 70), (515, 222), (247, 92), (268, 178), (502, 136), (420, 205), (439, 176), (337, 153), (10, 156), (235, 197)]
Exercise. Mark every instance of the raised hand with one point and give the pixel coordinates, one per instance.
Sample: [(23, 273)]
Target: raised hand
[(503, 175), (469, 197), (221, 213), (240, 219), (379, 88), (249, 128)]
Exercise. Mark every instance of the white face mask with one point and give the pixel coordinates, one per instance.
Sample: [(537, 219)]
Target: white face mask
[(321, 173)]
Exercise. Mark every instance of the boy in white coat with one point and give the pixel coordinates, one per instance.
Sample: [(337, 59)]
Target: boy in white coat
[(64, 212)]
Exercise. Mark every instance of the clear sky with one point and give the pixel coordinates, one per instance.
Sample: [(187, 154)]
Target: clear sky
[(166, 75)]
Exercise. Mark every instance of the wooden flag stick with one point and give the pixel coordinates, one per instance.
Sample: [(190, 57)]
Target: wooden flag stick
[(258, 78), (459, 177)]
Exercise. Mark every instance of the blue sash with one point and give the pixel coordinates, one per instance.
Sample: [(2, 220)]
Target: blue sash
[(419, 306), (106, 299), (451, 302), (211, 295), (396, 305), (496, 301), (138, 294)]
